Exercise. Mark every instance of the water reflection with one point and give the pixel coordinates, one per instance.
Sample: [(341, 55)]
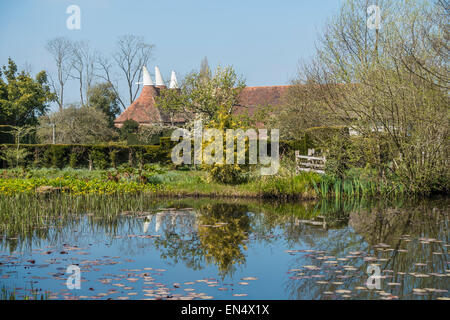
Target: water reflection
[(311, 250)]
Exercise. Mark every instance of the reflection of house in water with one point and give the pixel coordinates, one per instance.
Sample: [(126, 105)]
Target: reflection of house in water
[(172, 220)]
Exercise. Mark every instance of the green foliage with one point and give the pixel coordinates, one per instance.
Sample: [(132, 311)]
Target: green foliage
[(78, 155), (129, 127), (391, 87), (22, 98), (14, 157), (113, 157), (103, 97), (56, 156), (228, 174), (321, 136), (73, 159), (205, 95), (99, 158)]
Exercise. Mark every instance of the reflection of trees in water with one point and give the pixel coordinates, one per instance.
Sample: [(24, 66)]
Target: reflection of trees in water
[(383, 224), (294, 219), (216, 232), (179, 240), (222, 230)]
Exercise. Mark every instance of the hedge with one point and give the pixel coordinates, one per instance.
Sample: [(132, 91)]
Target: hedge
[(92, 156), (107, 156)]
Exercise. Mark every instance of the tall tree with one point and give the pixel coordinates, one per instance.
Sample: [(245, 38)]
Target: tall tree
[(83, 65), (61, 50), (132, 53)]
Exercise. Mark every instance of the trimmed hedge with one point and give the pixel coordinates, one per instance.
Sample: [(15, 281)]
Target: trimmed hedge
[(92, 156), (107, 156)]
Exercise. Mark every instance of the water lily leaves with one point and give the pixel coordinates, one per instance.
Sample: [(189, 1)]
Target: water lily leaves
[(420, 275), (419, 291), (420, 264), (343, 291), (240, 295), (312, 267)]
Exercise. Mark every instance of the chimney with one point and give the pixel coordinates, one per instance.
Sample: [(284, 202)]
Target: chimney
[(159, 79), (173, 81)]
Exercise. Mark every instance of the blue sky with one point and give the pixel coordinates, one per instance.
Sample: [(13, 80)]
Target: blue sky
[(263, 40)]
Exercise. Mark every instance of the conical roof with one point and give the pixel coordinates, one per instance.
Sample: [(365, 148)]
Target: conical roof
[(146, 77), (158, 78), (173, 81)]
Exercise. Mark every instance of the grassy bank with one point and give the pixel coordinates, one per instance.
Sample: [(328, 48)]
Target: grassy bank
[(164, 182)]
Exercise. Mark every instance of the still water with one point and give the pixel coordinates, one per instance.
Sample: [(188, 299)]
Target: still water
[(238, 249)]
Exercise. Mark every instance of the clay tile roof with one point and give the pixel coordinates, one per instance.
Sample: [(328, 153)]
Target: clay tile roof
[(143, 109), (262, 96)]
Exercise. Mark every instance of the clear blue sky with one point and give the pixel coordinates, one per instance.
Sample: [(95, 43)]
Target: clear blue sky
[(263, 40)]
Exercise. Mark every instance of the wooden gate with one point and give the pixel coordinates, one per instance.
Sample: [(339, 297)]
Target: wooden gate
[(309, 163)]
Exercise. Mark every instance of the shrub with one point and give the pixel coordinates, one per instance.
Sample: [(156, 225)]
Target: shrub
[(73, 160), (14, 157), (99, 159), (228, 174), (128, 127)]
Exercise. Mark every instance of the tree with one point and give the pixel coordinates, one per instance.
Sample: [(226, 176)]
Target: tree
[(22, 98), (205, 70), (129, 127), (17, 155), (73, 125), (103, 97), (390, 86), (132, 53), (83, 64), (61, 50), (205, 96), (301, 99)]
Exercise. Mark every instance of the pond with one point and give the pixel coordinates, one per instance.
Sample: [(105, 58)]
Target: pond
[(228, 249)]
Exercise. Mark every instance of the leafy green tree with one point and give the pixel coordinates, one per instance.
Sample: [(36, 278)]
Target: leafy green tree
[(129, 127), (205, 96), (103, 97), (22, 98)]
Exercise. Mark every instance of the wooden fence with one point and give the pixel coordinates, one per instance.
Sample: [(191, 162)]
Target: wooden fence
[(309, 163)]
